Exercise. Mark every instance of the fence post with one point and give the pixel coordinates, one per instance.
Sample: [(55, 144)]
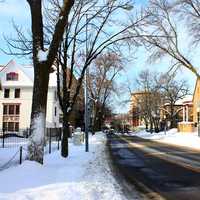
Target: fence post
[(49, 140), (20, 155), (3, 138), (58, 144), (58, 137)]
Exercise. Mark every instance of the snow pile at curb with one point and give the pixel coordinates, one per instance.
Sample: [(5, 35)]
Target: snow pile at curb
[(82, 176), (173, 137)]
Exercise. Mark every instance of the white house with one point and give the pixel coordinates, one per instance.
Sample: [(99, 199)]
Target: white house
[(16, 97)]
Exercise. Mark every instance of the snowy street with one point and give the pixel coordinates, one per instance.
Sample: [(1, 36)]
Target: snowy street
[(165, 166), (82, 176)]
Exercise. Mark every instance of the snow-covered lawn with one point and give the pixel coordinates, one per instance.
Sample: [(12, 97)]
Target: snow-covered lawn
[(82, 176), (173, 137), (10, 154)]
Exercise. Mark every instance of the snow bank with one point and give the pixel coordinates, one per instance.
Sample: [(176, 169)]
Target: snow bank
[(82, 176), (173, 137)]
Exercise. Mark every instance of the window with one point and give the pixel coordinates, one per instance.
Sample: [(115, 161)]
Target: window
[(6, 93), (10, 118), (12, 76), (11, 126), (17, 110), (17, 126), (17, 93), (5, 126), (5, 109), (11, 109)]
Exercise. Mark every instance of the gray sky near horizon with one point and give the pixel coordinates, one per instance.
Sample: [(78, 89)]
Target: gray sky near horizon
[(19, 12)]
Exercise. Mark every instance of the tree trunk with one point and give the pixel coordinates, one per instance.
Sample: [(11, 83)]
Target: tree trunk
[(173, 122), (94, 124), (146, 126), (151, 125), (97, 118), (66, 130), (65, 136), (156, 126), (172, 118), (41, 73), (146, 123), (38, 115)]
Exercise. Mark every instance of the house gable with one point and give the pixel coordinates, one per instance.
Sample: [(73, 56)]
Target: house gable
[(23, 79)]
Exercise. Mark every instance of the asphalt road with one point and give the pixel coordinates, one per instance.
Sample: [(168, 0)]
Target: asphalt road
[(161, 171)]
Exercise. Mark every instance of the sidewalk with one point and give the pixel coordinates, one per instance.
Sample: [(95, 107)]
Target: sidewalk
[(82, 176)]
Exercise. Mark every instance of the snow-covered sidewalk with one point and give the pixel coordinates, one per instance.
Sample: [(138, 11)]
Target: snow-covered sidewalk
[(82, 176), (191, 140)]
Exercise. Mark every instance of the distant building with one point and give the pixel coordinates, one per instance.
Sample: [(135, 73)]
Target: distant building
[(183, 109), (134, 111), (196, 102)]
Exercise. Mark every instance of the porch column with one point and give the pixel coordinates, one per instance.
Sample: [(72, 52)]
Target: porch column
[(187, 114), (183, 113)]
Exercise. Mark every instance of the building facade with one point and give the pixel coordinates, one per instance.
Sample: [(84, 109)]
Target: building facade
[(134, 111), (196, 102), (16, 98)]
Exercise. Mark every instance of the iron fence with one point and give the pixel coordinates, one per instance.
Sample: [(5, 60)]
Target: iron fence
[(9, 139), (13, 145)]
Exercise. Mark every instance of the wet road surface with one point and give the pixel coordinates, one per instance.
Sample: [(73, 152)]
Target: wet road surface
[(165, 171)]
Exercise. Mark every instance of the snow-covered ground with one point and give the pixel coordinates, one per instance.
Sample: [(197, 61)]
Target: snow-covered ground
[(10, 154), (82, 176), (173, 137)]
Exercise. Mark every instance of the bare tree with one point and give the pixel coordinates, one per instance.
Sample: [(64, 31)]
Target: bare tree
[(101, 83), (150, 99), (160, 36), (189, 10), (93, 27), (172, 91)]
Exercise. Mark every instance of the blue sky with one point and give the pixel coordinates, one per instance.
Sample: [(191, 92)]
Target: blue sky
[(12, 10), (19, 12)]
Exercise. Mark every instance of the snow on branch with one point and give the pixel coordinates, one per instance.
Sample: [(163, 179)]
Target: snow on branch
[(42, 55)]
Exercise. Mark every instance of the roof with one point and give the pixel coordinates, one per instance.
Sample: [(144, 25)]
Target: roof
[(28, 71), (185, 100), (139, 93)]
